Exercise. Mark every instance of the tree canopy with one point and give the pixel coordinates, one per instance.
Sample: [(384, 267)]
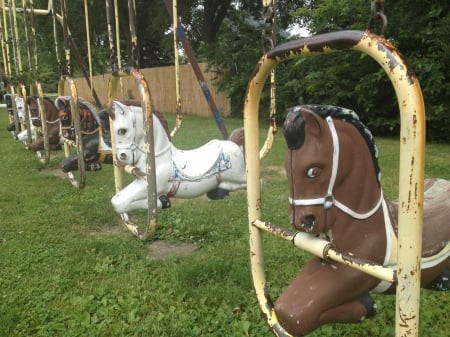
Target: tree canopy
[(228, 35)]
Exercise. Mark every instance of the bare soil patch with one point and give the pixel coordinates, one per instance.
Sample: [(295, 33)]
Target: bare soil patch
[(158, 250), (57, 172)]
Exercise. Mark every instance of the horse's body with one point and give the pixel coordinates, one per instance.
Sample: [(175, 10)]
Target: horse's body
[(94, 131), (335, 192), (52, 123), (214, 168)]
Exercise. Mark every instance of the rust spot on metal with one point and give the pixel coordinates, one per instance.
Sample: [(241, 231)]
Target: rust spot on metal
[(393, 56)]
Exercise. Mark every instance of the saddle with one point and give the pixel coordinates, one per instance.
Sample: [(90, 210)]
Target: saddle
[(200, 163), (436, 229)]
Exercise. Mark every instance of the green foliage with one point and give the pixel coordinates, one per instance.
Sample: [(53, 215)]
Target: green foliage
[(420, 30)]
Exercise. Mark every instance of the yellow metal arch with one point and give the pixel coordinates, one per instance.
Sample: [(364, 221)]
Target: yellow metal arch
[(411, 180)]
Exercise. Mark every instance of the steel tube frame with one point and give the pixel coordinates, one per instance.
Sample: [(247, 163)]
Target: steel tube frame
[(411, 177), (144, 91), (45, 158)]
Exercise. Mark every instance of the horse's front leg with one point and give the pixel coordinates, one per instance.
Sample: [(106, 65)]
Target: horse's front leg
[(325, 292), (37, 145), (133, 196)]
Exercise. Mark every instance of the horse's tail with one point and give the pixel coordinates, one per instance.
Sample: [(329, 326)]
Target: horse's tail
[(237, 136)]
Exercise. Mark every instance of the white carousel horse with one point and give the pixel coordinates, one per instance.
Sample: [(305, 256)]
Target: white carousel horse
[(217, 166), (23, 135), (20, 106)]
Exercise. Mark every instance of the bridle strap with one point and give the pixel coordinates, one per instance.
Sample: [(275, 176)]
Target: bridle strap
[(329, 200), (133, 147)]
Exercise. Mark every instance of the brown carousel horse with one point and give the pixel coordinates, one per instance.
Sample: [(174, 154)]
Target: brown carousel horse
[(335, 192), (52, 123), (95, 132)]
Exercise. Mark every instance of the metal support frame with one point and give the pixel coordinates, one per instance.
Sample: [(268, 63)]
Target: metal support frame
[(78, 180), (411, 180), (45, 157), (144, 91)]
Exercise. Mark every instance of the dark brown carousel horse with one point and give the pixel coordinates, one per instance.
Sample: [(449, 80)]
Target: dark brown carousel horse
[(335, 192), (95, 132), (52, 123)]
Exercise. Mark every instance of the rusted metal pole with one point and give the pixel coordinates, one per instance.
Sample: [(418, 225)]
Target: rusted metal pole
[(182, 36)]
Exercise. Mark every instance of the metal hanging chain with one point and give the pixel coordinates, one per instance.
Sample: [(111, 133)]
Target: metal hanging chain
[(269, 41), (67, 69), (33, 39), (88, 42), (112, 47), (27, 39), (377, 13), (134, 44), (179, 115), (15, 40), (5, 44), (269, 32), (55, 39)]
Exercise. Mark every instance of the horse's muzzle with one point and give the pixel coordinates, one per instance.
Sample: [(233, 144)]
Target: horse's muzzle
[(308, 223)]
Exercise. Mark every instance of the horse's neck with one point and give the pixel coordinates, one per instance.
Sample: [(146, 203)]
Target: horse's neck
[(359, 185), (51, 113), (161, 138)]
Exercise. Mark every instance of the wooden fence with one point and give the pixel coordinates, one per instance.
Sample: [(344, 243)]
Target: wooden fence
[(161, 82)]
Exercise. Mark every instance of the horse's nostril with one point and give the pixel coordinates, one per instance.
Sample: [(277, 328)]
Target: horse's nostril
[(122, 156), (308, 223)]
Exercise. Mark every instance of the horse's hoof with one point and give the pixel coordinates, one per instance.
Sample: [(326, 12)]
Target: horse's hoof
[(165, 201), (56, 147), (217, 194), (93, 166), (370, 305), (442, 282)]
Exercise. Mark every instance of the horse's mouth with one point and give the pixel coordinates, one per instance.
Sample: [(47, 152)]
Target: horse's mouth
[(308, 223)]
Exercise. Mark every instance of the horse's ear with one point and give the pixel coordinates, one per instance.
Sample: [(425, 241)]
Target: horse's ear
[(312, 123)]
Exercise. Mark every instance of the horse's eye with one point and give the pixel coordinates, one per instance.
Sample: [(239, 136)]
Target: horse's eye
[(312, 172), (122, 132)]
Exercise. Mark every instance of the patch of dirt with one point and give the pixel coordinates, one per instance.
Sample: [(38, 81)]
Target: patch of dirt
[(159, 250), (55, 172)]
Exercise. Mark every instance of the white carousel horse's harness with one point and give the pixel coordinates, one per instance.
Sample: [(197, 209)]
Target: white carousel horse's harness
[(132, 148), (329, 200)]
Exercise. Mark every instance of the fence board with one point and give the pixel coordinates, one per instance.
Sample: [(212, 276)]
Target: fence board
[(161, 82)]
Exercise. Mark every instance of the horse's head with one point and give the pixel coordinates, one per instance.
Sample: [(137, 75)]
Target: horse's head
[(128, 125), (20, 108), (33, 104), (62, 104), (327, 163), (88, 120)]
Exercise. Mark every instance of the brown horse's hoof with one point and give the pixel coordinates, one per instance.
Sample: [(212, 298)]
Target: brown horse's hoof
[(370, 305), (217, 194), (441, 283), (94, 166)]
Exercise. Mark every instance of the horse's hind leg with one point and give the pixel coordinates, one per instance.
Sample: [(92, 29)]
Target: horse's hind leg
[(325, 293), (441, 283)]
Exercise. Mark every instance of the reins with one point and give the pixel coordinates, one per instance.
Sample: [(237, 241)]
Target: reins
[(329, 200)]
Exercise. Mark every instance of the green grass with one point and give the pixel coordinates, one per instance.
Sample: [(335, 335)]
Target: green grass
[(68, 268)]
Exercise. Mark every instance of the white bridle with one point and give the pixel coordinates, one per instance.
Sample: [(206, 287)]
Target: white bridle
[(132, 148), (329, 200)]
